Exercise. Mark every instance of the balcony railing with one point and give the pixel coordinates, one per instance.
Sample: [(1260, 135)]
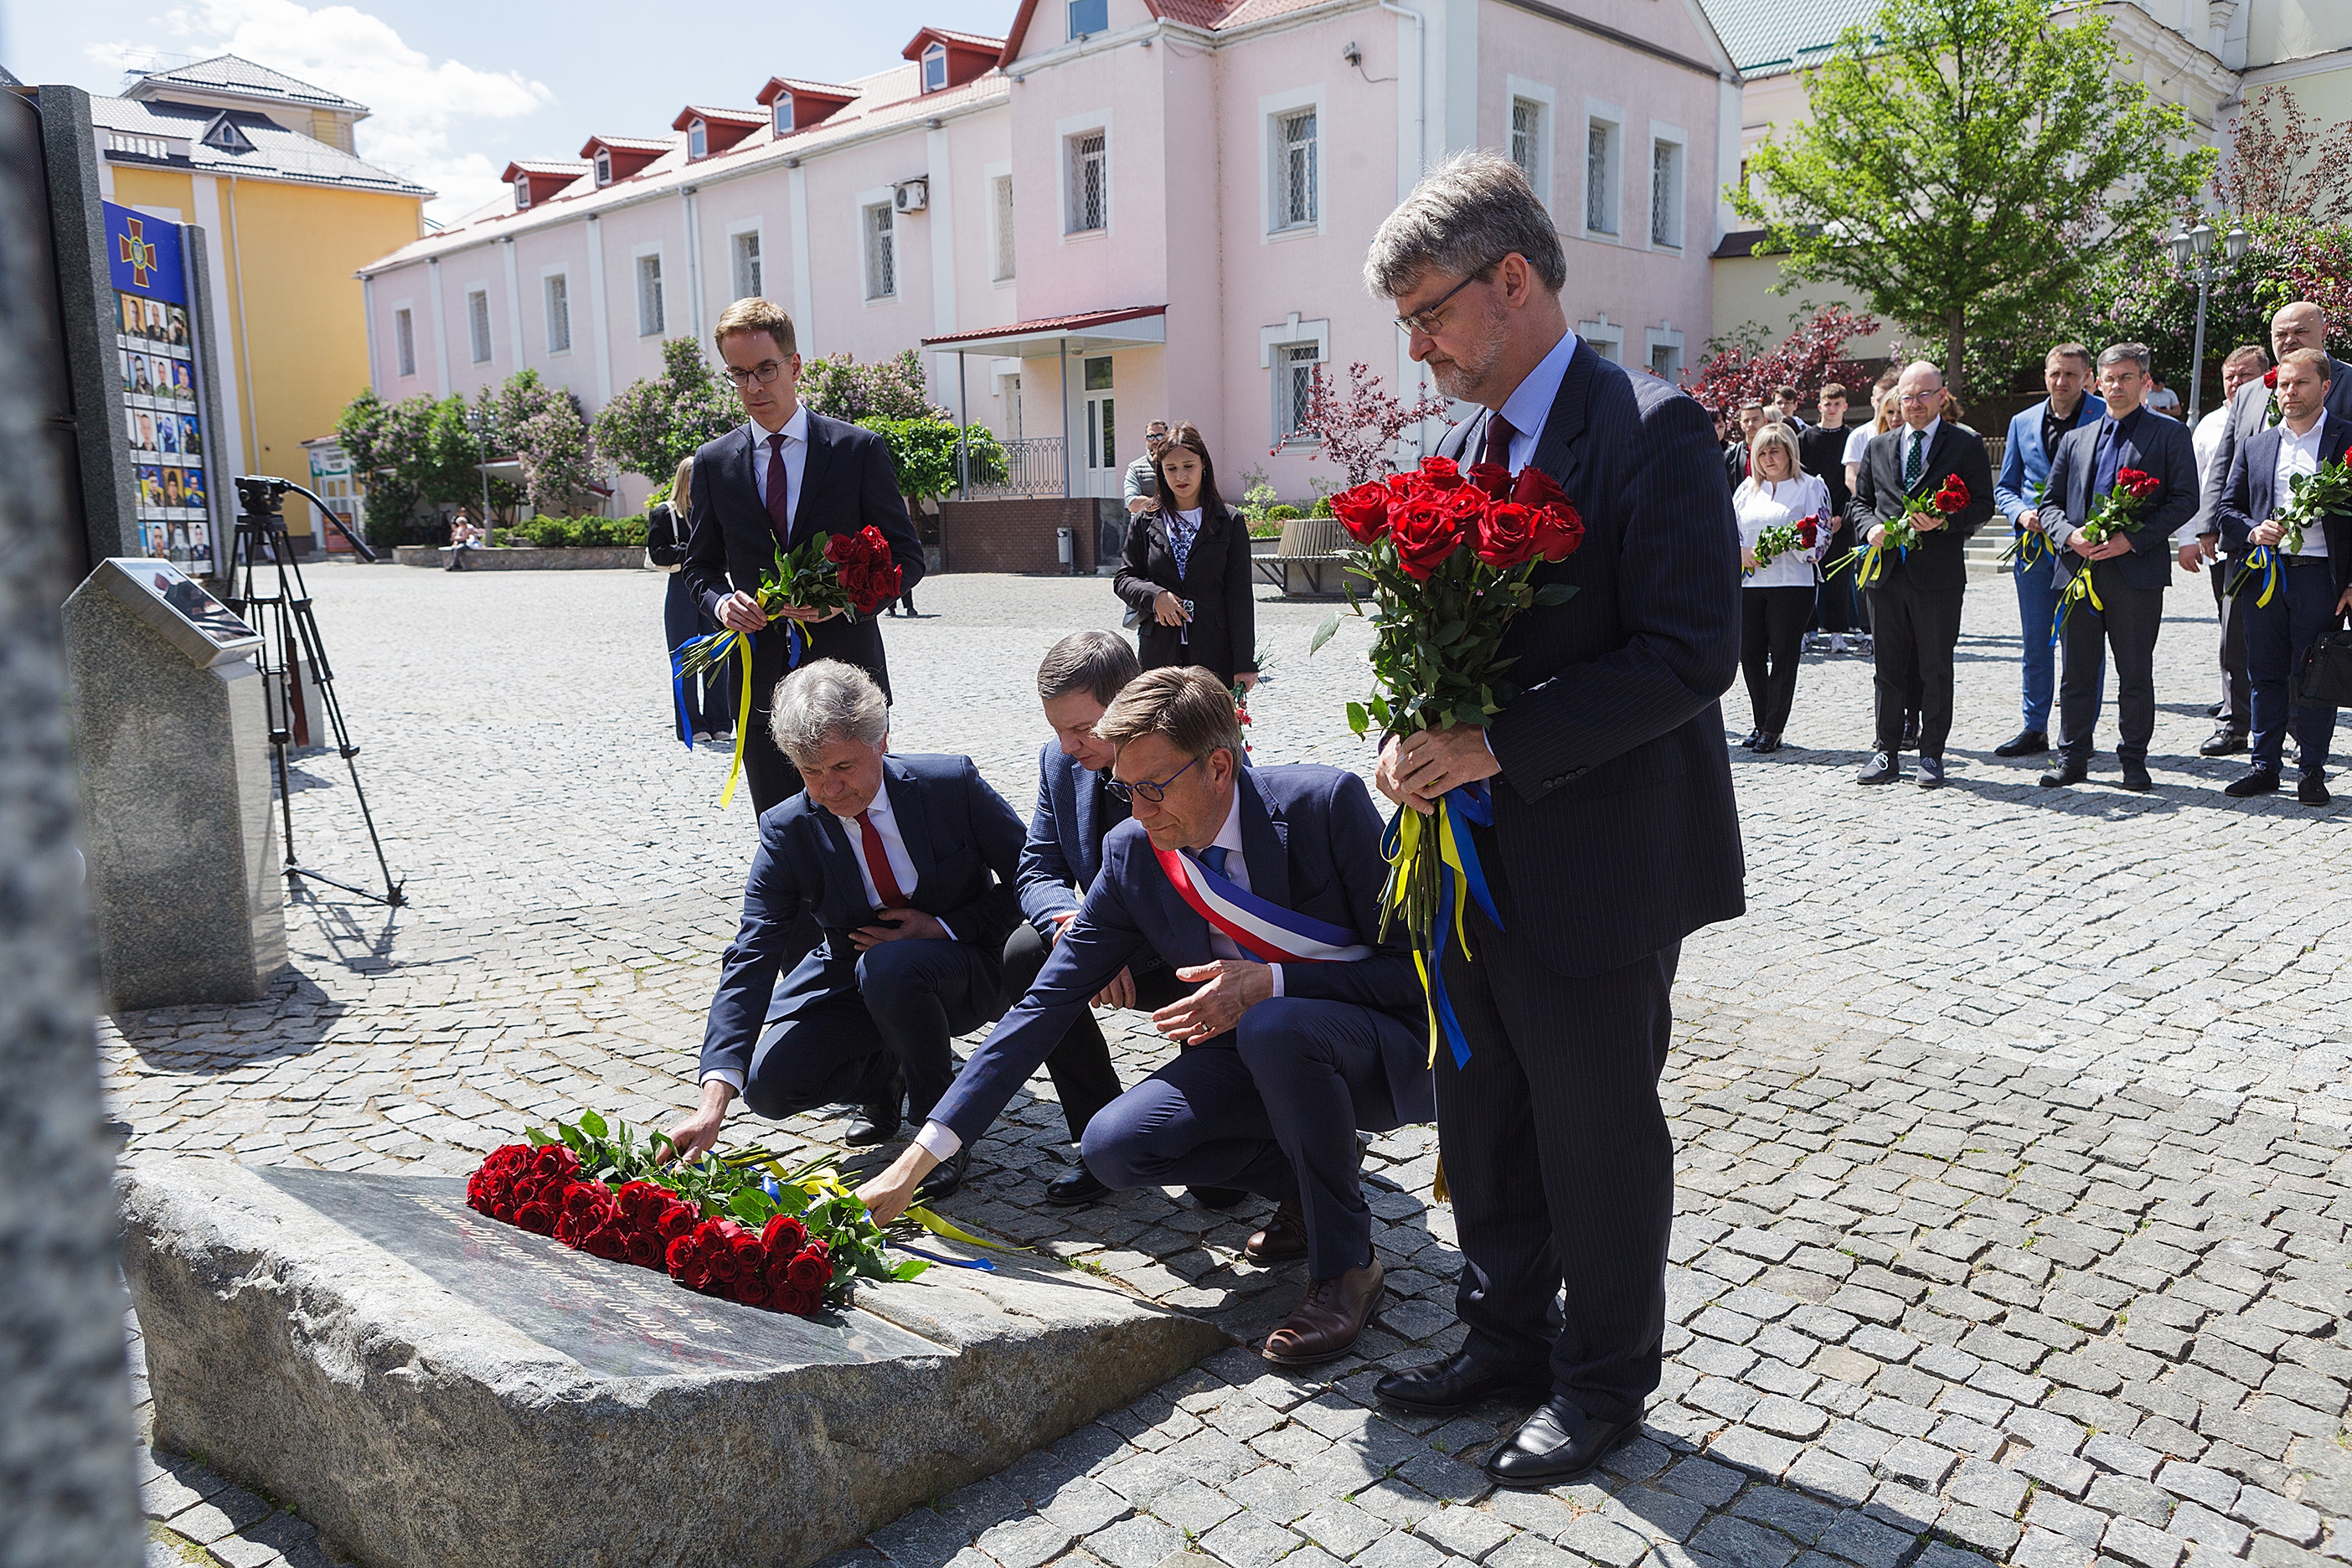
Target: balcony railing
[(1032, 468)]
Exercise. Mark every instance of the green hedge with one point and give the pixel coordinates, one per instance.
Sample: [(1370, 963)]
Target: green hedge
[(562, 533)]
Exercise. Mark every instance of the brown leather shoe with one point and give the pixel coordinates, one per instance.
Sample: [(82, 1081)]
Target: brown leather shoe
[(1325, 1325), (1284, 1237)]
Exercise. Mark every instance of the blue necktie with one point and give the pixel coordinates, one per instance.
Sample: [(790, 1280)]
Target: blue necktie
[(2102, 471), (1213, 857)]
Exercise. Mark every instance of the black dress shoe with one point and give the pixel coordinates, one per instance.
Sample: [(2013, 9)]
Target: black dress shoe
[(1074, 1189), (2213, 710), (2312, 791), (1767, 743), (1558, 1443), (2135, 775), (946, 1177), (1750, 739), (1456, 1383), (879, 1122), (1885, 768), (1217, 1197), (2224, 742), (2262, 781), (2067, 771), (2028, 743)]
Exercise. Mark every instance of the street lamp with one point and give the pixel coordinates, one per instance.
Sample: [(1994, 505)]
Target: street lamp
[(2197, 245), (484, 424)]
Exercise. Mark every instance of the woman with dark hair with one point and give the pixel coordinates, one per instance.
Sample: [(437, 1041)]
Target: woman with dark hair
[(708, 712), (1186, 570)]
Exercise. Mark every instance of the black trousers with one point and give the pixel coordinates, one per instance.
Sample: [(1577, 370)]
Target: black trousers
[(1915, 632), (2237, 686), (912, 997), (1834, 598), (1561, 1168), (1771, 645), (2129, 627), (1080, 1065), (2277, 636)]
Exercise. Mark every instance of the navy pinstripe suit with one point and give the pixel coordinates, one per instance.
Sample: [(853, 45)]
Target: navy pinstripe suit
[(1615, 836)]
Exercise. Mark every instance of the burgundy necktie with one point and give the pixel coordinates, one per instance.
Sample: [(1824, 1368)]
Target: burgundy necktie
[(1499, 437), (780, 515), (877, 866)]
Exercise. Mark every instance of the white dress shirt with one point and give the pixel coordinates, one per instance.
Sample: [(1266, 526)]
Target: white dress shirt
[(1759, 504), (1926, 439), (1857, 445), (2298, 455), (1530, 401), (940, 1140), (2204, 439), (795, 433)]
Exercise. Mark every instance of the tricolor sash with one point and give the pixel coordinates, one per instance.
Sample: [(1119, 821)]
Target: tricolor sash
[(1266, 931)]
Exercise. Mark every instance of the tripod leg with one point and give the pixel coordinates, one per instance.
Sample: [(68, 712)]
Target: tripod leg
[(314, 649)]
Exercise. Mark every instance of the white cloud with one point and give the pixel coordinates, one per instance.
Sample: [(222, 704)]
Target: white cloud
[(416, 101)]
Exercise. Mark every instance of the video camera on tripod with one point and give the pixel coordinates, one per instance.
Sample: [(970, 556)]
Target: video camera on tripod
[(263, 557)]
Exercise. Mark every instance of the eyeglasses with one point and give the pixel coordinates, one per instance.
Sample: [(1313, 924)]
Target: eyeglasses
[(1145, 789), (1425, 321), (766, 370)]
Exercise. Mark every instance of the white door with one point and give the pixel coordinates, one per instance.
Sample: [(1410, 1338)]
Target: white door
[(1100, 474)]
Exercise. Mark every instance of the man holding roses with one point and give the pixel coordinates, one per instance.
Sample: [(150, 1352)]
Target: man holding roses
[(1614, 831)]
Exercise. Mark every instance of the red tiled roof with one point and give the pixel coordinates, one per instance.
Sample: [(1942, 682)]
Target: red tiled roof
[(1043, 324), (731, 116), (545, 166), (814, 88), (974, 40), (629, 144)]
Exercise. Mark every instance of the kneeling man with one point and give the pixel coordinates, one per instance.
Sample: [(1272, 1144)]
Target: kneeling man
[(1263, 888), (906, 863)]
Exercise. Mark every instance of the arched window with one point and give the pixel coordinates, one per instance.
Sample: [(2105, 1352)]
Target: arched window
[(935, 67)]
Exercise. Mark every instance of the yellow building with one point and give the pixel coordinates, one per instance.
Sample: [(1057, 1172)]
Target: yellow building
[(265, 164)]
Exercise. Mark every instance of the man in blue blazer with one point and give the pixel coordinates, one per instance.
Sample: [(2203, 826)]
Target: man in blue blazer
[(2128, 573), (1282, 1058), (907, 865), (782, 479), (1616, 834), (2033, 436), (2315, 579)]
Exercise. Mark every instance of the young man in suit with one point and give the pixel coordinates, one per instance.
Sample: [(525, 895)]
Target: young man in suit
[(1615, 835), (2129, 571), (906, 864), (783, 477), (2033, 436), (1914, 604), (2315, 580), (2301, 325), (1281, 1061)]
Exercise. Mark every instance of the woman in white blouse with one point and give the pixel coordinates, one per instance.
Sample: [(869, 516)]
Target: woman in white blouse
[(1777, 597)]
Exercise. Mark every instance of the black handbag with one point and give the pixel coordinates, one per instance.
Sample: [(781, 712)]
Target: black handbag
[(2326, 678)]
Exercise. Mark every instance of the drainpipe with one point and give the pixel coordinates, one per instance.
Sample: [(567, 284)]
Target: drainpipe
[(1420, 62)]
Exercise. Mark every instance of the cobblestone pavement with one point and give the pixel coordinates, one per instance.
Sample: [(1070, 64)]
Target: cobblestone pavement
[(2011, 1224)]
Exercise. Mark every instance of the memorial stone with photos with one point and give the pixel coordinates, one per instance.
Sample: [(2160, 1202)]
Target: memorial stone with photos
[(162, 424)]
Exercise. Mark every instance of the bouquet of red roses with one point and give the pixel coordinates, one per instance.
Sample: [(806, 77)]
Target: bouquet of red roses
[(1901, 532), (2117, 512), (1451, 558)]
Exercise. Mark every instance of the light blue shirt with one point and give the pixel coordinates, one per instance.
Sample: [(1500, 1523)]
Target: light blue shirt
[(1530, 401)]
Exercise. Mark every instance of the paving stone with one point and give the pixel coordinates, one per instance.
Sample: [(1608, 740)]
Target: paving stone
[(2053, 1469), (2142, 1545), (2274, 1515), (1603, 1540), (1140, 1542), (1871, 1543), (1655, 1515), (1982, 1528), (1399, 1550), (2138, 1500), (1988, 1486), (1744, 1545), (1917, 1463), (1030, 1542), (2047, 1549), (2194, 1522), (1463, 1531)]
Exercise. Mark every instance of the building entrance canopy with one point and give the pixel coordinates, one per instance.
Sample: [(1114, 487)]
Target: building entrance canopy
[(1090, 331)]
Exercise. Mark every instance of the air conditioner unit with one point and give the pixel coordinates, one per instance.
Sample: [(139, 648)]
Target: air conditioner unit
[(912, 195)]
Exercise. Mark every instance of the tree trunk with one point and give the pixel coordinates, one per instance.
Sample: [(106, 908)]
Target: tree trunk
[(1956, 343)]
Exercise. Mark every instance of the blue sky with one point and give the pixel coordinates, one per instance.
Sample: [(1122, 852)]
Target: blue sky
[(458, 89)]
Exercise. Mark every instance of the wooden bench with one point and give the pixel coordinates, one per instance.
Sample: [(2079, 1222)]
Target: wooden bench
[(1308, 562)]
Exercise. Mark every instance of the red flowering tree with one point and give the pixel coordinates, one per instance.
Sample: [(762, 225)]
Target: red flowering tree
[(1359, 429), (1809, 356)]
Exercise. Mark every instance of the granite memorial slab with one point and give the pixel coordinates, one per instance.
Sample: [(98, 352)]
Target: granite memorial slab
[(429, 1387)]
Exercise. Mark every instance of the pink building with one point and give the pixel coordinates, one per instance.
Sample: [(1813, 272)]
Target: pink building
[(1123, 209)]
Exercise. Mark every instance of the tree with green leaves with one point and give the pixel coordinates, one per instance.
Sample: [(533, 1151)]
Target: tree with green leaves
[(656, 422), (925, 453), (1965, 164), (840, 388), (546, 431)]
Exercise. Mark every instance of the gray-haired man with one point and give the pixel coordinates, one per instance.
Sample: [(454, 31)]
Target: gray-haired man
[(906, 863)]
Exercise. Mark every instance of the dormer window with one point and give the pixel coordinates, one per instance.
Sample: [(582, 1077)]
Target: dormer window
[(603, 167), (522, 191), (698, 140), (1089, 17), (784, 114), (224, 136), (935, 67)]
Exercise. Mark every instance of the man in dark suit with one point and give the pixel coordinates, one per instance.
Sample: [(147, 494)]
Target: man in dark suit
[(1283, 1058), (2301, 325), (2128, 573), (785, 477), (2033, 436), (2315, 579), (1914, 604), (906, 864), (1616, 834)]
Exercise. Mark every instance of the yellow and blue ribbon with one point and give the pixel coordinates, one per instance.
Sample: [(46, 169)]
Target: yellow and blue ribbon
[(721, 646), (1460, 879), (2079, 587), (2262, 561)]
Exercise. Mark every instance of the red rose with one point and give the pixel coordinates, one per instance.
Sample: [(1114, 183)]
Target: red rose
[(751, 1289), (843, 548), (555, 1161), (1363, 511), (1533, 487), (876, 544), (1507, 535), (1559, 531), (1425, 534), (679, 1254), (806, 1273), (1493, 479), (607, 1241), (1809, 533), (536, 1218), (644, 1248), (800, 1303), (2270, 378), (785, 1233), (1953, 497), (679, 1220), (1440, 474)]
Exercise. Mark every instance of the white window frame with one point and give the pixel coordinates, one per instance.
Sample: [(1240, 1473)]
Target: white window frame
[(1607, 338), (603, 167), (1664, 135), (637, 260), (1295, 331), (1662, 336), (1516, 91), (698, 140), (935, 53), (549, 277), (757, 229), (1066, 133), (1275, 111), (478, 323), (1070, 19), (780, 114), (521, 192), (868, 202), (1002, 221), (403, 338), (1613, 195)]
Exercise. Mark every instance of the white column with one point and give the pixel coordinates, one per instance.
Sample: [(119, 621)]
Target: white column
[(803, 292), (367, 306), (692, 213), (596, 312), (514, 308), (440, 327), (1727, 116)]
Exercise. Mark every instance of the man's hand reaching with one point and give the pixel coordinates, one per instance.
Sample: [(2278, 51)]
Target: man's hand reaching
[(1227, 988), (699, 1133)]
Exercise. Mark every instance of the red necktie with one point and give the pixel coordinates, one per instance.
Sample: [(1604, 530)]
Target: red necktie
[(877, 866), (1499, 436), (780, 516)]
